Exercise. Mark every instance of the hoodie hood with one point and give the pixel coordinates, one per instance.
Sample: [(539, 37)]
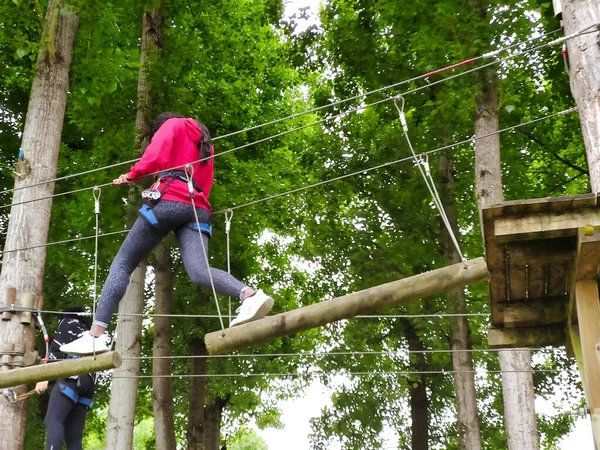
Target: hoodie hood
[(193, 130)]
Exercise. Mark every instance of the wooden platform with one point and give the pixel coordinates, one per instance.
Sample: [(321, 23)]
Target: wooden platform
[(536, 251)]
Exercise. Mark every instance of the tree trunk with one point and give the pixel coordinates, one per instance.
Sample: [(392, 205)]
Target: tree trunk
[(121, 413), (584, 63), (162, 393), (517, 378), (519, 408), (197, 397), (121, 409), (212, 421), (29, 223), (419, 403), (462, 361)]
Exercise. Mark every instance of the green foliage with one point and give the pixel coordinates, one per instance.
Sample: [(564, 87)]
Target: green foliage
[(236, 64), (246, 439)]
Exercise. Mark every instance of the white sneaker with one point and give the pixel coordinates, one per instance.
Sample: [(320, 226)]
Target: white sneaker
[(86, 345), (253, 308)]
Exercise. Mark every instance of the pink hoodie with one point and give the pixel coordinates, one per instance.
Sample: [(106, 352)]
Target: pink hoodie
[(173, 145)]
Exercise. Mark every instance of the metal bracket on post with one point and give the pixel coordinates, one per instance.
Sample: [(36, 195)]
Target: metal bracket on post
[(27, 301), (556, 4), (11, 296)]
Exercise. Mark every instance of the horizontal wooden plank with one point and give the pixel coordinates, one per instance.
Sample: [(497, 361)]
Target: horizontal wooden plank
[(542, 251), (535, 312), (527, 337), (544, 225)]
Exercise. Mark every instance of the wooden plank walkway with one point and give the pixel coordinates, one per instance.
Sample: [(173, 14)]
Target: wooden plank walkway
[(532, 255)]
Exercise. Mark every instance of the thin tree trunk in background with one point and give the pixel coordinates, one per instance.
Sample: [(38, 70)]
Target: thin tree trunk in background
[(469, 428), (121, 413), (29, 223), (419, 402), (162, 388), (517, 378), (198, 381), (121, 409), (212, 420), (584, 63)]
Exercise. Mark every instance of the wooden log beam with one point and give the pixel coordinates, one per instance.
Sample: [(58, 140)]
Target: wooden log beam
[(527, 337), (366, 301), (60, 369), (544, 225)]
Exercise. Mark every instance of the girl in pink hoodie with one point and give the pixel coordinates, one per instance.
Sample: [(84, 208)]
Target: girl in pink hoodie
[(180, 155)]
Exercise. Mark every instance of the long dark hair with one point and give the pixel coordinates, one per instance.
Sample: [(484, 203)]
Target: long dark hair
[(72, 313), (205, 144)]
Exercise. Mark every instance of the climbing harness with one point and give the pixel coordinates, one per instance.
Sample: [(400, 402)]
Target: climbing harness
[(423, 165), (153, 194), (74, 396), (189, 173)]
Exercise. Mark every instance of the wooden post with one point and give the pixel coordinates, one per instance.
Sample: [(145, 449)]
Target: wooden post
[(369, 300), (588, 314), (60, 369), (584, 320)]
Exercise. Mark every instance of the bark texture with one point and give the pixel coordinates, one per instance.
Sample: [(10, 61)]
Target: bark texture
[(584, 63), (162, 388), (517, 378), (469, 428), (419, 402), (198, 380), (121, 413), (29, 223), (123, 398)]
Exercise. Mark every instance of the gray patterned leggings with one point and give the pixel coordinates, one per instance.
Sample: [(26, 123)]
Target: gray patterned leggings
[(141, 240)]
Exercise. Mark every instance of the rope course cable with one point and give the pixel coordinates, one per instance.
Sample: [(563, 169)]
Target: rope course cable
[(423, 164), (228, 218), (331, 180), (324, 373), (321, 354), (362, 95), (189, 176)]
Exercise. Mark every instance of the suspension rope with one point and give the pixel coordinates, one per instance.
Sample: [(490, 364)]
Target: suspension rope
[(331, 180), (391, 86), (423, 165), (96, 194), (189, 175), (228, 217)]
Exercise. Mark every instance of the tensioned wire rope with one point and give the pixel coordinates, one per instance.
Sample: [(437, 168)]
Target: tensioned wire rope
[(331, 180), (450, 67), (343, 373), (398, 353)]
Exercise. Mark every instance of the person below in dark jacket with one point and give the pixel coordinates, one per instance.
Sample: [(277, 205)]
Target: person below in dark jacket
[(70, 398)]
